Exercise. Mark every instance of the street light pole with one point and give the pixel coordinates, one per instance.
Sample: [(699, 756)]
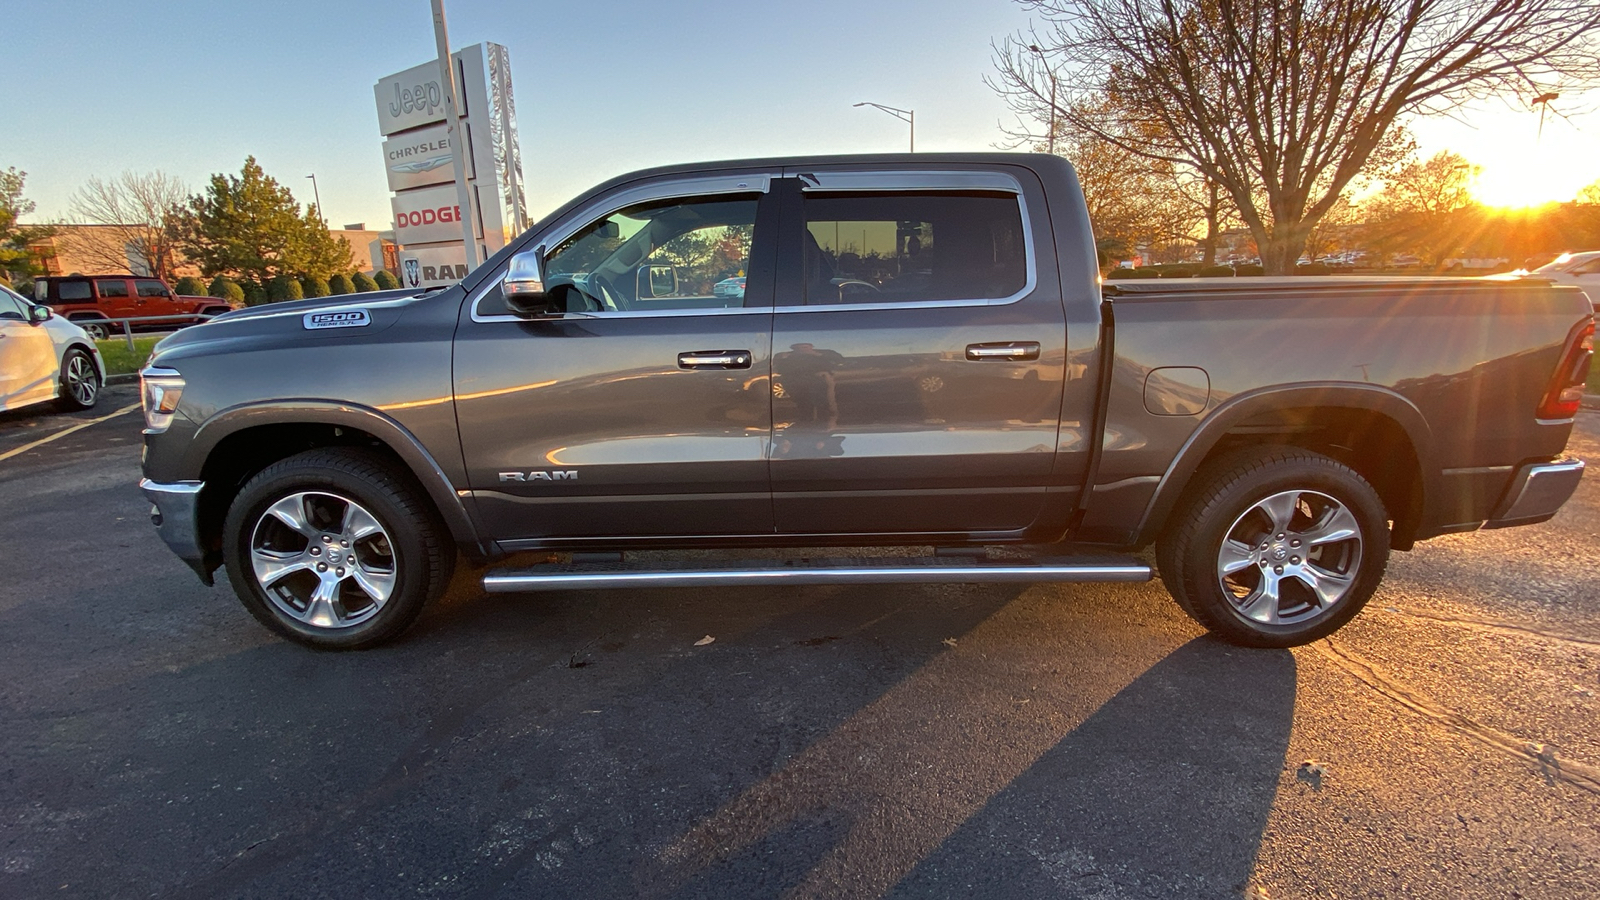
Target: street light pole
[(1051, 140), (904, 115), (452, 124), (318, 195)]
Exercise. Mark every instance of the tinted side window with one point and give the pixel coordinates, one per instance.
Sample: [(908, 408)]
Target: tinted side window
[(909, 247), (68, 291), (112, 288), (150, 288)]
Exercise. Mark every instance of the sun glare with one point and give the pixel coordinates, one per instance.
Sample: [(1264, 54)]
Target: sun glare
[(1519, 186)]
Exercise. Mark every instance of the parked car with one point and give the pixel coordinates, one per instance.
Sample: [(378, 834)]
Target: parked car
[(731, 288), (89, 300), (45, 357), (1274, 439), (1581, 269)]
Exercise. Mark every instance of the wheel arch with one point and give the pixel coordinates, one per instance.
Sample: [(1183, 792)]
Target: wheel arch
[(237, 442), (1290, 414)]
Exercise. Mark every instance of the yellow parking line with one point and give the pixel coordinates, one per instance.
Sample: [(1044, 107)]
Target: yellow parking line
[(66, 431)]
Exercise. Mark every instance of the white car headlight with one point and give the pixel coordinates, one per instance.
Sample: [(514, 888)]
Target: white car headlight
[(159, 390)]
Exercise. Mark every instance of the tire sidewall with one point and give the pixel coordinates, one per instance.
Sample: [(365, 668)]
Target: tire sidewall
[(294, 476), (1320, 474), (67, 397)]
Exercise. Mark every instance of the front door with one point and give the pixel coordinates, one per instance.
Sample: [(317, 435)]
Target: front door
[(153, 299), (918, 356), (27, 356), (645, 410)]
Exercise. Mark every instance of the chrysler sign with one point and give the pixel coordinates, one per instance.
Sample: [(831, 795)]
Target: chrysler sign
[(420, 158)]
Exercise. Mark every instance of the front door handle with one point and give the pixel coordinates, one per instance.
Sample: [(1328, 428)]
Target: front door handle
[(715, 359), (1013, 350)]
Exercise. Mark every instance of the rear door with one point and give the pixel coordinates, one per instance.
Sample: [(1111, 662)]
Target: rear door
[(918, 353), (644, 411), (117, 300)]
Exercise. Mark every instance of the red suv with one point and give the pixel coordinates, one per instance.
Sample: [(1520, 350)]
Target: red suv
[(90, 300)]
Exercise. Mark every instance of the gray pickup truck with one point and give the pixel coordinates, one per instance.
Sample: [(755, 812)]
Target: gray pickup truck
[(873, 351)]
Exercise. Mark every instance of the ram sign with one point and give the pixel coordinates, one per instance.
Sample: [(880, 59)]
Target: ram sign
[(419, 162)]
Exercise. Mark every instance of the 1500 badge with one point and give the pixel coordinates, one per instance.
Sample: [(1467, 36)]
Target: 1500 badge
[(553, 475), (344, 318)]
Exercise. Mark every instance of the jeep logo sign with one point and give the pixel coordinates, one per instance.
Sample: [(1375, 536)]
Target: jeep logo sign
[(343, 318), (410, 98)]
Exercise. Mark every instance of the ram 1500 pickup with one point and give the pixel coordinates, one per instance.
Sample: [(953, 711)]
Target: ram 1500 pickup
[(922, 356)]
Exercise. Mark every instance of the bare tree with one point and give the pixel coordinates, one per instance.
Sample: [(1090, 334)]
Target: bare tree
[(1421, 209), (1284, 102), (135, 214)]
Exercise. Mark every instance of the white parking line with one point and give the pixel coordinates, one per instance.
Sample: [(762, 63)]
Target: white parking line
[(66, 431)]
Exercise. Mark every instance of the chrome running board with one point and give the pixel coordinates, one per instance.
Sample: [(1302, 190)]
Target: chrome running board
[(869, 570)]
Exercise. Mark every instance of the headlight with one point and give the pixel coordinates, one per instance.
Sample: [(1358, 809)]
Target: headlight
[(159, 390)]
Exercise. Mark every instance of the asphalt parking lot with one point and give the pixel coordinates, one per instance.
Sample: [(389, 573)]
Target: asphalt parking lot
[(953, 741)]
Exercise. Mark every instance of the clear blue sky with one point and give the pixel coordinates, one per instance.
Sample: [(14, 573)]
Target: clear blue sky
[(192, 86)]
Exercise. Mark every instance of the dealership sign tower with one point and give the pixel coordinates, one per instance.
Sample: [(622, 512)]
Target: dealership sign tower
[(419, 161)]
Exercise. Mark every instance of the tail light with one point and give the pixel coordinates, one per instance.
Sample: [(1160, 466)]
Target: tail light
[(1565, 394)]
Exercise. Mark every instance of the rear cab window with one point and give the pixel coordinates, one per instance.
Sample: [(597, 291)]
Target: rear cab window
[(75, 291)]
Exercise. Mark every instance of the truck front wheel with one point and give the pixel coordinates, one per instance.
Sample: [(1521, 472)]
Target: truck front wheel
[(1276, 547), (334, 549)]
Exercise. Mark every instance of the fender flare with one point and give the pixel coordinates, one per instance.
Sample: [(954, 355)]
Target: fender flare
[(395, 436), (1336, 394)]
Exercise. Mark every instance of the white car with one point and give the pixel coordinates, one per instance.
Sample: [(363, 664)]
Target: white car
[(1581, 269), (45, 357)]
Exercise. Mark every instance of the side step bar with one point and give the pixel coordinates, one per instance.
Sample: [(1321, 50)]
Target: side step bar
[(869, 570)]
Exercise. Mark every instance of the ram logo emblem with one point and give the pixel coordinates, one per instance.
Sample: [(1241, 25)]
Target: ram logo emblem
[(541, 475)]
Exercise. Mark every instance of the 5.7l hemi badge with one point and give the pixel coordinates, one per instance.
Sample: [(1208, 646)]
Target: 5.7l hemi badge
[(344, 318)]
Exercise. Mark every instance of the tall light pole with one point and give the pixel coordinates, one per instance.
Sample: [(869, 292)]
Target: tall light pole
[(1051, 141), (1543, 102), (318, 194), (452, 124), (904, 115)]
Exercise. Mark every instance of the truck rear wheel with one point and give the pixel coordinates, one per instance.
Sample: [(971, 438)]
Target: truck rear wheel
[(333, 549), (1278, 547)]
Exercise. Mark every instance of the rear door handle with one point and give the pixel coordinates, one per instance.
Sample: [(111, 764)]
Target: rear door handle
[(714, 359), (1013, 350)]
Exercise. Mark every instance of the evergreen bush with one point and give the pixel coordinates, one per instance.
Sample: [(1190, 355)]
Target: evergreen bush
[(312, 286), (224, 288), (282, 288), (340, 285), (363, 282), (386, 280)]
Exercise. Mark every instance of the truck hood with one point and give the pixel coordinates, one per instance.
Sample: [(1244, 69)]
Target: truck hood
[(316, 303), (293, 322)]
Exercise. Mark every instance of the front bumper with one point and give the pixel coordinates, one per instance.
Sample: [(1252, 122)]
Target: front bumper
[(1537, 492), (175, 512)]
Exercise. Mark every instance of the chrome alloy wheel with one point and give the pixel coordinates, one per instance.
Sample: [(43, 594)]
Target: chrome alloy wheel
[(1290, 558), (323, 559), (83, 382)]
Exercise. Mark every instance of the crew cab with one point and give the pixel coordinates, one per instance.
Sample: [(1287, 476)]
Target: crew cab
[(923, 356), (90, 300)]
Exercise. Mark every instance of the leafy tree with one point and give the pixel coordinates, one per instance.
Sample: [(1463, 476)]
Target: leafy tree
[(191, 286), (283, 287), (1283, 103), (19, 259), (363, 282), (139, 210), (249, 226), (226, 289), (312, 286), (386, 280), (341, 284)]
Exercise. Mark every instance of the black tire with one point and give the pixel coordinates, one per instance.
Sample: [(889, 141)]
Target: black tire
[(80, 380), (96, 329), (1264, 599), (419, 562)]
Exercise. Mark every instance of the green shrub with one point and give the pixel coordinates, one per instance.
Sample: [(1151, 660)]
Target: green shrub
[(340, 284), (1242, 271), (190, 286), (385, 280), (282, 288), (363, 282), (255, 293), (1175, 270), (1313, 269), (312, 286), (1216, 272), (224, 288)]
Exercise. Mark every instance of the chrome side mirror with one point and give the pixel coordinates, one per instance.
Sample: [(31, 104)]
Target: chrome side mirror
[(523, 287)]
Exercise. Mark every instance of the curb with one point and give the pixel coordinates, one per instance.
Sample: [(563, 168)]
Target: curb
[(1591, 401)]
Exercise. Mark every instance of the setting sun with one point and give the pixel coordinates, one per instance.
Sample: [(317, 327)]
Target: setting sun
[(1513, 185)]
